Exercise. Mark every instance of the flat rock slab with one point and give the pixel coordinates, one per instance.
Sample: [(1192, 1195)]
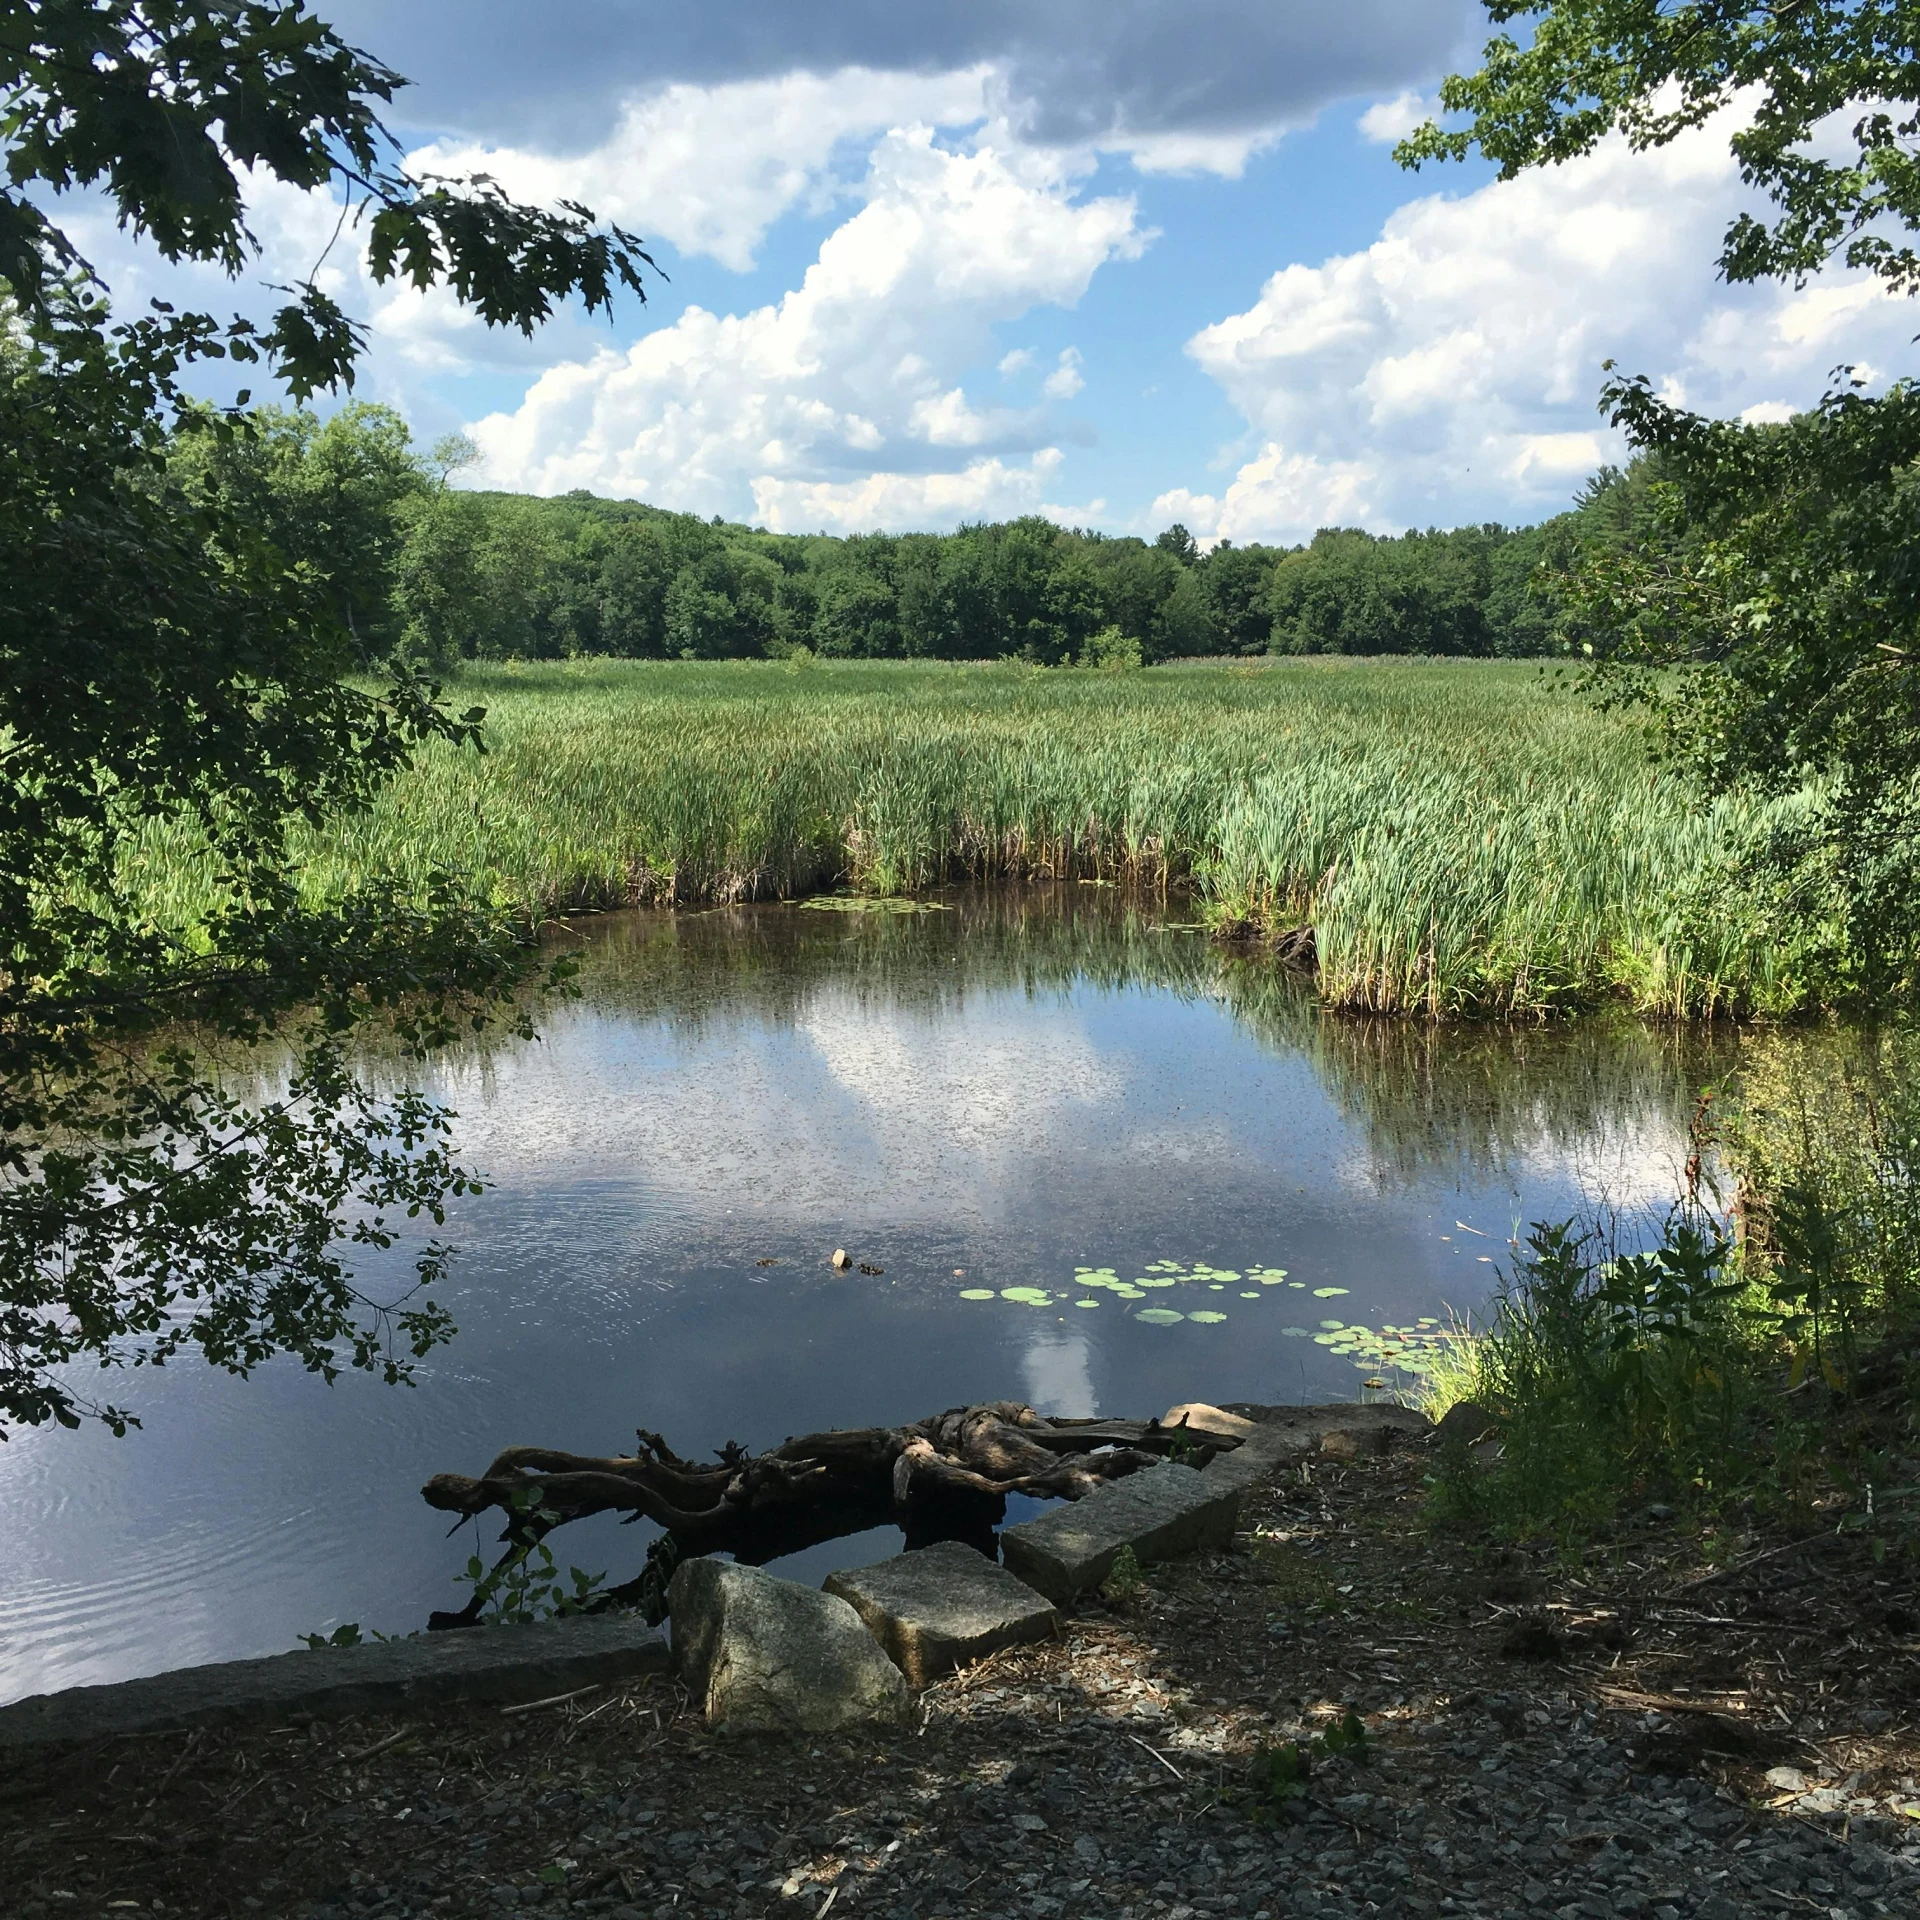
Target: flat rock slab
[(1159, 1512), (769, 1655), (941, 1606), (480, 1663)]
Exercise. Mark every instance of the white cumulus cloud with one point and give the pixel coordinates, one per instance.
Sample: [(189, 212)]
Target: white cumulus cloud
[(1387, 121), (841, 398), (711, 168), (1450, 370), (1066, 379), (991, 489)]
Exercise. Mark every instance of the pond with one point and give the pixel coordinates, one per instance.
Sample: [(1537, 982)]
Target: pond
[(1091, 1161)]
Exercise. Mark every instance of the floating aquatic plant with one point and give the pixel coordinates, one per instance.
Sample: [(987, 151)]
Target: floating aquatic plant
[(869, 903), (1407, 1348)]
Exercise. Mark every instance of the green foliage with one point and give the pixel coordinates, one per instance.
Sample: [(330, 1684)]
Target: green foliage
[(438, 576), (187, 591), (1350, 593), (1827, 1144), (525, 1585), (528, 1586), (1609, 1370), (1650, 71), (1784, 586), (1112, 650), (163, 102), (1773, 635), (1124, 1578), (1282, 1770), (1709, 1373), (330, 496)]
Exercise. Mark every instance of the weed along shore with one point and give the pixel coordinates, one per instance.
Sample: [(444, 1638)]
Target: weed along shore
[(1334, 1712)]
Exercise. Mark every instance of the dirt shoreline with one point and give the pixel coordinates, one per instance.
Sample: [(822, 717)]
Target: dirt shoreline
[(1539, 1741)]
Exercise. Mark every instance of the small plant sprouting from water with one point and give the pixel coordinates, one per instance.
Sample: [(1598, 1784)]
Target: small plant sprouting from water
[(527, 1585)]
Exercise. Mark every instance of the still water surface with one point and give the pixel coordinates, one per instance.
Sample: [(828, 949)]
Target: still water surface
[(979, 1098)]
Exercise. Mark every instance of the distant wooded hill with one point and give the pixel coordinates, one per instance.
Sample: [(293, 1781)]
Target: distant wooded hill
[(444, 574)]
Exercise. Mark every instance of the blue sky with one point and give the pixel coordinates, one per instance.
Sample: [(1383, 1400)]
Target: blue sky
[(1120, 263)]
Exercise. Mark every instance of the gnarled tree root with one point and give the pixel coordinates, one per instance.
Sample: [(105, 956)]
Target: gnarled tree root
[(946, 1477)]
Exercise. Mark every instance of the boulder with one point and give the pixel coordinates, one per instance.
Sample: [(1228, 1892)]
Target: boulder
[(941, 1606), (1466, 1421), (1158, 1512), (772, 1655)]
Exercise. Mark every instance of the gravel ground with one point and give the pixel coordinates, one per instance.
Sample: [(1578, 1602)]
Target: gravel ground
[(1651, 1737)]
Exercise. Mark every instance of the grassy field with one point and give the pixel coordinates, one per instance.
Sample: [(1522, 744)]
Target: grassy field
[(1461, 836)]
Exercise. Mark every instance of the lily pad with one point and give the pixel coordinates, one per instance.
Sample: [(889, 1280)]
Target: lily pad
[(1294, 1333), (1329, 1293), (869, 903), (976, 1293), (1334, 1325), (1028, 1296), (1156, 1280), (1129, 1293), (1249, 1296), (1207, 1319), (1086, 1303), (1159, 1316)]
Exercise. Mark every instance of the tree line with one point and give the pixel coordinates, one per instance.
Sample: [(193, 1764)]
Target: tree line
[(423, 570)]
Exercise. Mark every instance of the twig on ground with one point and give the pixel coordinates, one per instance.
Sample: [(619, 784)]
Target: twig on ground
[(180, 1760), (552, 1700), (379, 1746), (1158, 1755)]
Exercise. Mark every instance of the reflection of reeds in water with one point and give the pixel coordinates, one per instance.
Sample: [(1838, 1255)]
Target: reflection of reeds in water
[(1470, 1097), (1460, 837), (1482, 1095)]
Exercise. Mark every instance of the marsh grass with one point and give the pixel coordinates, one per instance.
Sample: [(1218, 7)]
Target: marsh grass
[(1461, 837)]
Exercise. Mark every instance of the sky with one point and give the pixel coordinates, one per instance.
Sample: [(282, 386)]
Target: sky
[(1122, 264)]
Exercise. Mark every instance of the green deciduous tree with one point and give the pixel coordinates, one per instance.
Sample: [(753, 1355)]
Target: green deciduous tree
[(173, 664), (1781, 581)]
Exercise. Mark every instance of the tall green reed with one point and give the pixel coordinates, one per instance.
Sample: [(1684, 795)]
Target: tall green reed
[(1460, 837)]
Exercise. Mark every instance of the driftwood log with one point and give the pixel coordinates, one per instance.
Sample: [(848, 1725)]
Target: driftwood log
[(943, 1478)]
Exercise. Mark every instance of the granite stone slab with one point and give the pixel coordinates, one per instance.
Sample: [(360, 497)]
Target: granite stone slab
[(481, 1663), (1159, 1512), (942, 1606)]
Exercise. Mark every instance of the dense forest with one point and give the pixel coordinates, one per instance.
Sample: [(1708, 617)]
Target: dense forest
[(424, 569)]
